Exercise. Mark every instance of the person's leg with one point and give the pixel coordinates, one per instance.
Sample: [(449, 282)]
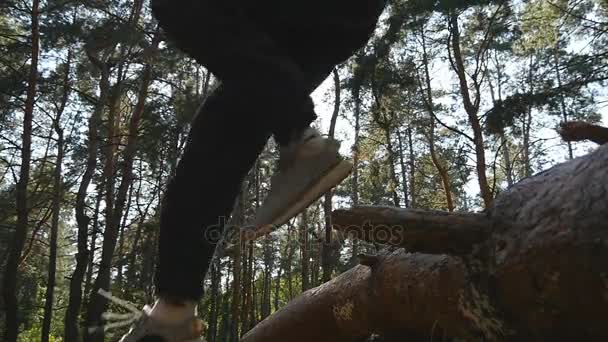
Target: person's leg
[(260, 85), (222, 147)]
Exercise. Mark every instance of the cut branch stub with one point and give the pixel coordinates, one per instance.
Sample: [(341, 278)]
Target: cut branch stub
[(416, 230)]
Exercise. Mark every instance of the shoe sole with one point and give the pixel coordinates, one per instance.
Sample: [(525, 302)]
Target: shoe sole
[(328, 181)]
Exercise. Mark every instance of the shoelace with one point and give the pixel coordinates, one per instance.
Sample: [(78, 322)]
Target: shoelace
[(117, 320)]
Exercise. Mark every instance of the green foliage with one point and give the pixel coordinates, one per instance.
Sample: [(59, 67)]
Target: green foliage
[(516, 50)]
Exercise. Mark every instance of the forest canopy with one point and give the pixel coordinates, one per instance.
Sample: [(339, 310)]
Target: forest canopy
[(448, 105)]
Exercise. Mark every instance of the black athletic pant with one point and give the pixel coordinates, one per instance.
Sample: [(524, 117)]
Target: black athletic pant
[(269, 55)]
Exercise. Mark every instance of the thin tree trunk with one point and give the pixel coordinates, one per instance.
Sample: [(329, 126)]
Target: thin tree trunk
[(403, 170), (356, 94), (94, 231), (527, 124), (9, 290), (121, 240), (215, 292), (504, 141), (131, 271), (238, 218), (277, 288), (562, 102), (97, 304), (252, 308), (391, 165), (328, 246), (441, 169), (268, 267), (304, 245), (83, 255), (412, 169), (246, 297), (57, 195), (224, 333), (472, 108), (289, 262), (114, 212)]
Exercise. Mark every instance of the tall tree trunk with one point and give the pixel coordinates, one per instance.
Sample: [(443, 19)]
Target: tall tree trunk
[(132, 270), (428, 100), (83, 255), (225, 326), (391, 164), (215, 292), (57, 195), (304, 250), (504, 140), (268, 268), (88, 283), (277, 288), (471, 107), (9, 288), (120, 255), (328, 246), (238, 217), (254, 296), (527, 125), (290, 253), (412, 158), (406, 199), (356, 94), (247, 265), (562, 101), (98, 303)]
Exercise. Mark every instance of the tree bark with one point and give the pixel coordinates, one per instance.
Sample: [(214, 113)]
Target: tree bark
[(120, 255), (9, 288), (237, 286), (471, 107), (562, 101), (268, 268), (373, 299), (412, 158), (83, 255), (88, 282), (430, 107), (527, 126), (304, 251), (417, 230), (247, 297), (215, 300), (328, 247), (545, 241), (404, 179), (115, 210), (290, 253), (277, 288), (391, 164), (57, 196)]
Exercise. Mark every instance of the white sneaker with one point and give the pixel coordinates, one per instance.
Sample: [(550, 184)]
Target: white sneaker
[(308, 168), (145, 328)]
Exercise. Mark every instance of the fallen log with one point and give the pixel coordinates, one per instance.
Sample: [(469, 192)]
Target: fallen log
[(417, 230), (537, 269), (402, 294)]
